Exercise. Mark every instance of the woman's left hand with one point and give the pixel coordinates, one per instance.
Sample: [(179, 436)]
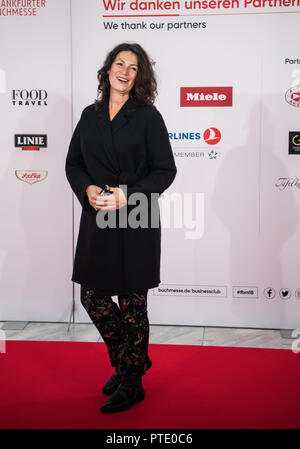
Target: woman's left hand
[(112, 202)]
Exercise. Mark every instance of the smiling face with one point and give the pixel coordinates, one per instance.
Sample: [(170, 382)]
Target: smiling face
[(122, 73)]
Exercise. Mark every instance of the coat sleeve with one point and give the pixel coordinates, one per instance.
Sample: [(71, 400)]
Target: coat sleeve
[(160, 157), (75, 169)]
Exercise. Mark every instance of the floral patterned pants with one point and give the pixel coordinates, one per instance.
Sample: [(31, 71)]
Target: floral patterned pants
[(124, 329)]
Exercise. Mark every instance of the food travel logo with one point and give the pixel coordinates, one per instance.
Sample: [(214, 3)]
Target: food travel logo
[(34, 97), (205, 96), (31, 142)]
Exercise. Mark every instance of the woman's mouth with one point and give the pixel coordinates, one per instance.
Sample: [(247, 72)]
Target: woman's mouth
[(121, 79)]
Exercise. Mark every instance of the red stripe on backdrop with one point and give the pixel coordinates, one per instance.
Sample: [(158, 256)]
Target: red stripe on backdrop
[(55, 385), (204, 15), (141, 15)]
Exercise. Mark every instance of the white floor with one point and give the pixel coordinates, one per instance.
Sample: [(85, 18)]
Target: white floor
[(185, 335)]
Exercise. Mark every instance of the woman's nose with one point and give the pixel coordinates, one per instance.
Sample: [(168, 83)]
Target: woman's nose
[(125, 70)]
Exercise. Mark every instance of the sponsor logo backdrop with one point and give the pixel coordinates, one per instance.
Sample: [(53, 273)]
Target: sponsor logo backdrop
[(36, 203), (228, 86)]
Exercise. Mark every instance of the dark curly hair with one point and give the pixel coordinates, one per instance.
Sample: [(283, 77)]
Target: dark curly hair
[(144, 90)]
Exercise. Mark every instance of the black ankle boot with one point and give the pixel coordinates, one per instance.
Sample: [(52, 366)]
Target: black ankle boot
[(112, 384), (128, 393), (114, 381)]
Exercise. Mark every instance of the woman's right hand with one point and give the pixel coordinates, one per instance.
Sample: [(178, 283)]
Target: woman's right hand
[(92, 194)]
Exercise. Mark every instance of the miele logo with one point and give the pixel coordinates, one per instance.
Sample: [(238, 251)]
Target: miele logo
[(205, 96), (31, 176), (31, 142)]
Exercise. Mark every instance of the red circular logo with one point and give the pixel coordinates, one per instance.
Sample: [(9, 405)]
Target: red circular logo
[(292, 95), (212, 136), (295, 96)]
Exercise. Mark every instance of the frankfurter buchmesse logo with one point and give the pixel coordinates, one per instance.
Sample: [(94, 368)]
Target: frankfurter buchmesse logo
[(31, 176), (21, 8), (205, 96), (292, 96), (294, 142), (31, 142)]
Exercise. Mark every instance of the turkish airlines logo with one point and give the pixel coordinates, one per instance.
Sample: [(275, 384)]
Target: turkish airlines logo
[(31, 176), (31, 142), (212, 136), (205, 96), (292, 96)]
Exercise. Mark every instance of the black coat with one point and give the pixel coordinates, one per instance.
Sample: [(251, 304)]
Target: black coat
[(133, 150)]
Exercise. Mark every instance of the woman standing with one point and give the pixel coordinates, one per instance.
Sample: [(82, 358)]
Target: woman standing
[(120, 155)]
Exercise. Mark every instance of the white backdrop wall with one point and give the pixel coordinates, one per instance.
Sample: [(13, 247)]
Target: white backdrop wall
[(243, 268), (36, 219)]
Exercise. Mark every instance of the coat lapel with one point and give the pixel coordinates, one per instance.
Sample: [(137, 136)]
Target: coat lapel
[(105, 131), (123, 116), (108, 128)]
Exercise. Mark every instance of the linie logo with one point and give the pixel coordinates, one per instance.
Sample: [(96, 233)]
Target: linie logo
[(31, 176), (31, 142), (205, 96)]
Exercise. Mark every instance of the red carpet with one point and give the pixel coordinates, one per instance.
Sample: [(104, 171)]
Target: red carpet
[(55, 385)]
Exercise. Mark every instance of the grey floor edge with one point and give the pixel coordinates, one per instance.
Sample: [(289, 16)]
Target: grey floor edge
[(159, 334)]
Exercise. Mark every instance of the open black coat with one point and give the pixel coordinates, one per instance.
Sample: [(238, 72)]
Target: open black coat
[(133, 150)]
